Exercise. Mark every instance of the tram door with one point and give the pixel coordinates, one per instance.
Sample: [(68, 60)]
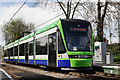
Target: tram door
[(26, 52), (52, 50)]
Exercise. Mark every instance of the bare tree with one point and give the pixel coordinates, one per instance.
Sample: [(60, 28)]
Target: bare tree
[(70, 9), (101, 17), (95, 12), (111, 19)]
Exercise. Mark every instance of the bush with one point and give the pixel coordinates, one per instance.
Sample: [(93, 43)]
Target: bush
[(115, 48)]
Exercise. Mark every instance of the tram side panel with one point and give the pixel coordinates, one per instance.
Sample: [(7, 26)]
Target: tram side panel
[(41, 56), (21, 55), (44, 46)]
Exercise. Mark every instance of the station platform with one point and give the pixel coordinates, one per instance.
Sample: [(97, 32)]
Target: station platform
[(111, 69), (4, 75)]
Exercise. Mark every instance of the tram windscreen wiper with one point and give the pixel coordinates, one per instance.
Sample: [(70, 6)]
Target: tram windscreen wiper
[(77, 42)]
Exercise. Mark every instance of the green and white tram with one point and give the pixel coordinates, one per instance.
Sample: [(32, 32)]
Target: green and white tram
[(66, 43)]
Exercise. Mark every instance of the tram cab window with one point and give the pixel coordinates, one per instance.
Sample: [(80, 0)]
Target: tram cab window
[(41, 45), (31, 45), (21, 50), (61, 48), (90, 37), (16, 51)]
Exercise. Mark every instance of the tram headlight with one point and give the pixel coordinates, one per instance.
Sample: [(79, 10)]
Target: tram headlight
[(89, 56), (80, 56)]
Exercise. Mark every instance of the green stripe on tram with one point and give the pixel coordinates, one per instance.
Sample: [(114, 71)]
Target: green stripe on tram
[(62, 34), (54, 24), (27, 37), (64, 59), (79, 53)]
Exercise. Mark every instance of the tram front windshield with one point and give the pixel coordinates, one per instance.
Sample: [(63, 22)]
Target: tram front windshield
[(78, 36)]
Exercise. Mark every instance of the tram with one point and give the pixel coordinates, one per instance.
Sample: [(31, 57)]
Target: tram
[(66, 43)]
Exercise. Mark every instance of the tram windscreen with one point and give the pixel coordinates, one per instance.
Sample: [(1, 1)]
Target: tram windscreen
[(78, 36)]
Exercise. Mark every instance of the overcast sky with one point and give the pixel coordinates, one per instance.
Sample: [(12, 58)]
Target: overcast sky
[(28, 13)]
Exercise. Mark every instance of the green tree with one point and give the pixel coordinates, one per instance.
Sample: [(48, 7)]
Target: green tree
[(16, 29), (115, 48)]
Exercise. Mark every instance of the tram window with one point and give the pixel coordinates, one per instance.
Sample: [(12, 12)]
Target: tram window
[(5, 53), (90, 37), (41, 46), (26, 48), (31, 45), (61, 48), (11, 51), (8, 52), (22, 50), (16, 51), (38, 47)]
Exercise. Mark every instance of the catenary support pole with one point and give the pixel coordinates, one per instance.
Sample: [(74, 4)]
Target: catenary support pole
[(34, 47), (119, 22)]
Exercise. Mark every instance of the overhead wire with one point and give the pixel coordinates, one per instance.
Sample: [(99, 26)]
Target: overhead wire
[(48, 20), (16, 12), (37, 25)]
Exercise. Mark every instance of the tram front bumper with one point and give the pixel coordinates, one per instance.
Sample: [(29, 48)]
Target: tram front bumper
[(81, 62)]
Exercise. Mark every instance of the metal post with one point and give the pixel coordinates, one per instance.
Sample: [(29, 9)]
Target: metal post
[(57, 33), (18, 51), (0, 52), (13, 52), (28, 52), (34, 47)]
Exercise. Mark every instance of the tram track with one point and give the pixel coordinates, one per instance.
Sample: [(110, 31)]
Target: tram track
[(90, 75)]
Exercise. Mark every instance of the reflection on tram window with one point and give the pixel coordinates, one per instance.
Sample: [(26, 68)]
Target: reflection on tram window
[(16, 51), (41, 46), (31, 45)]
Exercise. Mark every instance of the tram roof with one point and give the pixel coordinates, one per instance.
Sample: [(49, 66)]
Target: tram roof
[(52, 25)]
